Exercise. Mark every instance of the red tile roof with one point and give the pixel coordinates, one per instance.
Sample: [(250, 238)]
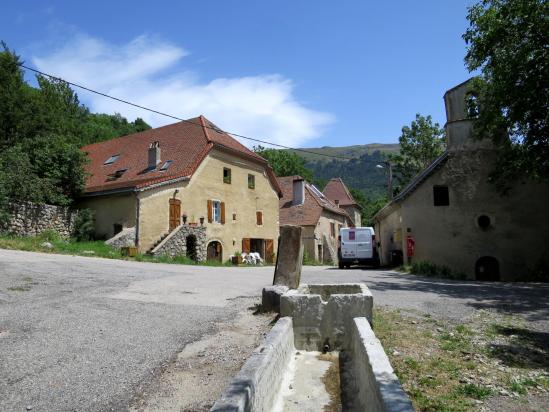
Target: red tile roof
[(336, 190), (185, 143), (309, 212)]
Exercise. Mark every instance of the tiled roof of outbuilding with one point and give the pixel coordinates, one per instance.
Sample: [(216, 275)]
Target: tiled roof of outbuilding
[(336, 190), (309, 212)]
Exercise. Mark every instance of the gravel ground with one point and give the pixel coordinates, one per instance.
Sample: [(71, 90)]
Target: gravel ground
[(94, 334)]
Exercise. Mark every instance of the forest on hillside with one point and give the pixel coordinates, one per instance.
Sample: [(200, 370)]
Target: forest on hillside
[(362, 173)]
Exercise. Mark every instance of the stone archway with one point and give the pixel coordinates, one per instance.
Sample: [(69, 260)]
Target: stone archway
[(215, 251), (190, 242), (487, 268)]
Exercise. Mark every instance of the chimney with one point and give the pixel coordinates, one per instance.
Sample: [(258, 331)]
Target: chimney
[(154, 155), (336, 202), (299, 191)]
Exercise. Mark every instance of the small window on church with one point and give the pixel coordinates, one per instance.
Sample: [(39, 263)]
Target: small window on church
[(441, 196)]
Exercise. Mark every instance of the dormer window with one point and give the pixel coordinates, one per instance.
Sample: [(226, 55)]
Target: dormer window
[(111, 159), (166, 165)]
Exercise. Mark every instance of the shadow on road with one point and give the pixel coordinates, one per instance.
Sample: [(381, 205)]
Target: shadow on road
[(528, 299)]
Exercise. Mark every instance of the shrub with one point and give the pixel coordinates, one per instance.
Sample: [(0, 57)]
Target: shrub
[(84, 225), (437, 271), (49, 235)]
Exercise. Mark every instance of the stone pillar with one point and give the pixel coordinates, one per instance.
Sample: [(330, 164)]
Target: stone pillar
[(289, 258)]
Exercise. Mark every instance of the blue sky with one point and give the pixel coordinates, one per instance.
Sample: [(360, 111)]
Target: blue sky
[(301, 73)]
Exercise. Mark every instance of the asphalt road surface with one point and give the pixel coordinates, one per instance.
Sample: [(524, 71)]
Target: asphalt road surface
[(80, 333)]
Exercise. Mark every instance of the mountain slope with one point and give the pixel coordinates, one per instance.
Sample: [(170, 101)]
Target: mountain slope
[(345, 151), (360, 172)]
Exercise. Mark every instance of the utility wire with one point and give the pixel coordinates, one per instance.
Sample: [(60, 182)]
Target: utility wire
[(178, 118)]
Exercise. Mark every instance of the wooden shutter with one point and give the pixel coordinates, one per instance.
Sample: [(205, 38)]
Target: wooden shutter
[(246, 245), (269, 250), (259, 218), (223, 213), (210, 218)]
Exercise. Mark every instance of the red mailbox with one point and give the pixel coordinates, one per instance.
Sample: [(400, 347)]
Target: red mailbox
[(410, 245)]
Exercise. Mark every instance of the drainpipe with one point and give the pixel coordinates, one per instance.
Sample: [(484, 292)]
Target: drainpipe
[(137, 208)]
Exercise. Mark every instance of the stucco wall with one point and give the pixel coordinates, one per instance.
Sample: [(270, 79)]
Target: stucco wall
[(354, 213), (450, 235), (312, 235), (207, 183), (390, 233), (111, 210), (323, 226)]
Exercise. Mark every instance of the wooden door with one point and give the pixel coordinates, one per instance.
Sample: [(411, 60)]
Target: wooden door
[(269, 250), (214, 251), (246, 245), (175, 213)]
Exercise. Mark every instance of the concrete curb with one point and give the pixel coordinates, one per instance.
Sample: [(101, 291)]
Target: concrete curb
[(377, 386), (256, 386)]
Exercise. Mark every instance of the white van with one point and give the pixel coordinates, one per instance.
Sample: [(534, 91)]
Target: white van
[(357, 245)]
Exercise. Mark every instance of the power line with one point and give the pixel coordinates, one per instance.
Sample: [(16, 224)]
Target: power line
[(178, 118)]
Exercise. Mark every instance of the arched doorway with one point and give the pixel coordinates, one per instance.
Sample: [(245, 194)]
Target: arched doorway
[(191, 247), (215, 251), (487, 268)]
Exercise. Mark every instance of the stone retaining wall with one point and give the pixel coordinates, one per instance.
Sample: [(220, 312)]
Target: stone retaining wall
[(123, 239), (175, 244), (31, 219)]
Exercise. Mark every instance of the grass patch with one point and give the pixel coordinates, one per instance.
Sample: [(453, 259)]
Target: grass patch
[(474, 391), (19, 288), (446, 367), (97, 248)]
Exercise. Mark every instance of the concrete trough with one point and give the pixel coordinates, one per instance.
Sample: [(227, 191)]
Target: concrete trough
[(289, 373), (321, 313)]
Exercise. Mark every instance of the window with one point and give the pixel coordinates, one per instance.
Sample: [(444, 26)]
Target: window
[(111, 159), (332, 229), (251, 182), (226, 175), (441, 196), (166, 165), (234, 217), (484, 222), (259, 218), (216, 211)]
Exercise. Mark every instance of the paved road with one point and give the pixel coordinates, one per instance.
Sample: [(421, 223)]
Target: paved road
[(82, 333)]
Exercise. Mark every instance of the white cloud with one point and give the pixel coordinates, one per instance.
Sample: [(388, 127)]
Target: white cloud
[(147, 71)]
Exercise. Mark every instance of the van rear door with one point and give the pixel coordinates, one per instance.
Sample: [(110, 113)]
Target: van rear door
[(364, 244), (348, 243)]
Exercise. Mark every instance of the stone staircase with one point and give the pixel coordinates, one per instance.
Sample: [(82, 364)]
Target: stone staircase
[(158, 242), (327, 246)]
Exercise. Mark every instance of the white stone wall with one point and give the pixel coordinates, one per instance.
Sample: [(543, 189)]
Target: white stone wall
[(31, 219)]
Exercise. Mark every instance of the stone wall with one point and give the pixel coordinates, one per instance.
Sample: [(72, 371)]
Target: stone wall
[(123, 239), (175, 244), (31, 219)]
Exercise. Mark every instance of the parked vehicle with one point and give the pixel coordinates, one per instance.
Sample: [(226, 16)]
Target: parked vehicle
[(357, 245)]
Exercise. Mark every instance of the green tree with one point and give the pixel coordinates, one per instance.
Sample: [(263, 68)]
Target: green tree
[(420, 143), (284, 162), (507, 40), (41, 132), (369, 205)]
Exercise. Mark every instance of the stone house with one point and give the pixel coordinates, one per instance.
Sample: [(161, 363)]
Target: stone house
[(182, 177), (339, 194), (302, 204), (451, 214)]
